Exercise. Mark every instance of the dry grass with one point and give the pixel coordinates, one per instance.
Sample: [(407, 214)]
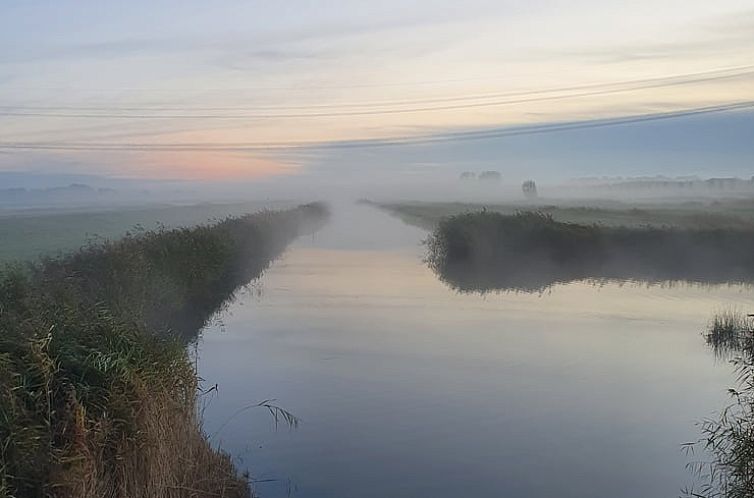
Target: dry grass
[(171, 457), (98, 396)]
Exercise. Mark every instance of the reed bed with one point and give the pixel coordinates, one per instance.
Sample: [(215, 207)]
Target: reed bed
[(98, 396), (529, 251)]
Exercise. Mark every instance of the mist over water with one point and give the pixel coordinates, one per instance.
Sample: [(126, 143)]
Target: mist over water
[(405, 387), (533, 279)]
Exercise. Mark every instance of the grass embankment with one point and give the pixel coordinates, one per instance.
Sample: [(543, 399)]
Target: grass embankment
[(723, 462), (97, 392), (530, 251)]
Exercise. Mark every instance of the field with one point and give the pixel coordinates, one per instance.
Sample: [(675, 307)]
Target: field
[(734, 214), (31, 233)]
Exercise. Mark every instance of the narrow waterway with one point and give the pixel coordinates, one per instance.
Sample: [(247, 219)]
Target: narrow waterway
[(406, 388)]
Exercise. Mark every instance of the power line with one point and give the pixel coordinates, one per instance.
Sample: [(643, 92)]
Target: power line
[(369, 143), (678, 79), (358, 112), (305, 86)]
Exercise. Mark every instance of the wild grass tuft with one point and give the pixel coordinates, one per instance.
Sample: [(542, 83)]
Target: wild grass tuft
[(723, 458), (731, 332)]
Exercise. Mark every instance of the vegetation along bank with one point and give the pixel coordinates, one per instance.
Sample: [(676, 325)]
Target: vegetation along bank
[(721, 459), (483, 250), (97, 392)]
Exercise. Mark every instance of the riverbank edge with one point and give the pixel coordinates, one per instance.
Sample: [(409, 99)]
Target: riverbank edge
[(98, 395), (529, 251)]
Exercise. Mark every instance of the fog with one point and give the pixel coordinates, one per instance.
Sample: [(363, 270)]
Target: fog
[(365, 249), (605, 192), (653, 160)]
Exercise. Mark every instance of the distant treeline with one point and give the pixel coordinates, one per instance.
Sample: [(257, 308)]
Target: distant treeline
[(97, 392), (676, 184), (481, 251)]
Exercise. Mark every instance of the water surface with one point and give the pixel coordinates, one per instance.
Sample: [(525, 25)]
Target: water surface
[(407, 388)]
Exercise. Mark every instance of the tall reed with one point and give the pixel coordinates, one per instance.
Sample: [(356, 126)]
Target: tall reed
[(529, 251), (97, 392), (723, 458)]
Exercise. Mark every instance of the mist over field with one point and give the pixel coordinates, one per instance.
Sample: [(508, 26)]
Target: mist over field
[(569, 163)]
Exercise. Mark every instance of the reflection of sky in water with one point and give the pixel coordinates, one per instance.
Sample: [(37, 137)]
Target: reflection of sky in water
[(406, 388)]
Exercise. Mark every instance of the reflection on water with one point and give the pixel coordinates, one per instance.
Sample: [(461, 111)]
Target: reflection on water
[(471, 279), (406, 388), (471, 260), (486, 251), (731, 334), (527, 277)]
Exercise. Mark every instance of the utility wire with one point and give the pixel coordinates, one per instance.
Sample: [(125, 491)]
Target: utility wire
[(370, 143), (304, 86), (678, 79), (371, 112)]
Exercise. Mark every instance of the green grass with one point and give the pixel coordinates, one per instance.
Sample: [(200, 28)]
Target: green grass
[(486, 250), (32, 233), (734, 214), (97, 392)]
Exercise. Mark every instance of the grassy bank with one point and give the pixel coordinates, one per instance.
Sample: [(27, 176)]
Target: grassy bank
[(733, 214), (529, 251), (97, 393)]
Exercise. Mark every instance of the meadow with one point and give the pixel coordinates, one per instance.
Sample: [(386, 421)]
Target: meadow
[(30, 233), (98, 395), (732, 213)]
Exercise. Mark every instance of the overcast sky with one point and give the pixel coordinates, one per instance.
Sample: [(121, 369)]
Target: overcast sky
[(221, 90)]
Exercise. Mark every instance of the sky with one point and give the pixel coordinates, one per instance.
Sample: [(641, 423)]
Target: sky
[(248, 90)]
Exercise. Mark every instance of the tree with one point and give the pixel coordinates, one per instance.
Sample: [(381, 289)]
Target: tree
[(489, 176), (530, 189)]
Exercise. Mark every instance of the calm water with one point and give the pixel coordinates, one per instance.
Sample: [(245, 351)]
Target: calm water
[(406, 388)]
